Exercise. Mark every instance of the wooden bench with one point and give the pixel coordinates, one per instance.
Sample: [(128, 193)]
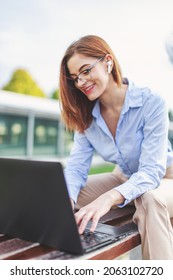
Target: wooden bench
[(17, 249)]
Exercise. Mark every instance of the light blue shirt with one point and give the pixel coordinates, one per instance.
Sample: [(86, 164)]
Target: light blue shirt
[(140, 148)]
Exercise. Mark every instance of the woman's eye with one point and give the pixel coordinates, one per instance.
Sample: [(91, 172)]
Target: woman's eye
[(86, 71)]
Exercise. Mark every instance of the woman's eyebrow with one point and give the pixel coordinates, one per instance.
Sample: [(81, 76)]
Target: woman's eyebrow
[(84, 65)]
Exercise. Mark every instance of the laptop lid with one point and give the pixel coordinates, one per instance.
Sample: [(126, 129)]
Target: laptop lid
[(35, 206)]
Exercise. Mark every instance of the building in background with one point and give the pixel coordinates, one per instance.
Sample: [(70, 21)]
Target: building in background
[(31, 127)]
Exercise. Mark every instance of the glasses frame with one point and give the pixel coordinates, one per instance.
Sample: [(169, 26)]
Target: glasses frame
[(75, 81)]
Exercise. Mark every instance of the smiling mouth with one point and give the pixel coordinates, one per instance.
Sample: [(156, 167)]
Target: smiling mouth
[(89, 89)]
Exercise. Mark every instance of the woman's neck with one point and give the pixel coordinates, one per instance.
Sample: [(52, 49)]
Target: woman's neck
[(113, 98)]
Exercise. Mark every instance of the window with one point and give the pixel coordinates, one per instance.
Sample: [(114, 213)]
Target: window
[(45, 137), (13, 134), (68, 141)]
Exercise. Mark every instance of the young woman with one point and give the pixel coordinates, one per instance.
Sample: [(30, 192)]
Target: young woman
[(126, 125)]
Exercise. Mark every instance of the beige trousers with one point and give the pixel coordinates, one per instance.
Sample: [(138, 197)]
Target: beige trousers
[(153, 211)]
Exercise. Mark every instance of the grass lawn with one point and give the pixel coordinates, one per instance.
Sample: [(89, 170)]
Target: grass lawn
[(101, 168)]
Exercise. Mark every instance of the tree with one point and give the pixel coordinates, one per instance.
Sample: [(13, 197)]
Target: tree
[(22, 82), (55, 94)]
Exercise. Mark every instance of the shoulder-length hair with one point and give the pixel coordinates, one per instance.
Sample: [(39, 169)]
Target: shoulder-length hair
[(76, 108)]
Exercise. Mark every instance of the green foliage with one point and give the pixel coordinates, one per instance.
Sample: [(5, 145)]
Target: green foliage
[(22, 82), (55, 94)]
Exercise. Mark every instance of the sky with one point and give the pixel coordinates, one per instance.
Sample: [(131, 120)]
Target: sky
[(34, 34)]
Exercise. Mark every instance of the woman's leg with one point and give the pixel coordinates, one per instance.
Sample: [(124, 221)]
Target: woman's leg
[(153, 212)]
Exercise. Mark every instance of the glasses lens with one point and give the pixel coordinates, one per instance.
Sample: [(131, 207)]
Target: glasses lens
[(84, 75)]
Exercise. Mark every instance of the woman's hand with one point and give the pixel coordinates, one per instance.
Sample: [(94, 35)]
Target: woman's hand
[(96, 209)]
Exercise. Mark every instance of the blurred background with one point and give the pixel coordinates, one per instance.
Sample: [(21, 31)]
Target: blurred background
[(34, 35)]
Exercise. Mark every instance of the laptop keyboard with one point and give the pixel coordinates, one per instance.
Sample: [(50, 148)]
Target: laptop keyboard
[(90, 239)]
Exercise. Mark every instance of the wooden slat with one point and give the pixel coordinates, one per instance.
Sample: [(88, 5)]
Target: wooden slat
[(4, 237), (13, 246), (40, 252), (30, 253), (125, 245), (56, 255)]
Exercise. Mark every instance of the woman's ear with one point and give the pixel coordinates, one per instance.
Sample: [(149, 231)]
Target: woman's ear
[(109, 62)]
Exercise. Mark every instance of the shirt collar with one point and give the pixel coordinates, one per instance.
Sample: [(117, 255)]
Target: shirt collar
[(133, 97)]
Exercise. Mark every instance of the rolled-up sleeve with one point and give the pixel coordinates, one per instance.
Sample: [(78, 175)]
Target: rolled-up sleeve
[(153, 157), (78, 165)]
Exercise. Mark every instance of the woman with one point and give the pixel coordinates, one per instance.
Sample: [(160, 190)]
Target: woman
[(127, 126)]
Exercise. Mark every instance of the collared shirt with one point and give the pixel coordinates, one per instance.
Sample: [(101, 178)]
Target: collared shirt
[(140, 147)]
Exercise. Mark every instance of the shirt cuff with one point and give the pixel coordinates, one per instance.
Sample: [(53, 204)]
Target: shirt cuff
[(129, 191)]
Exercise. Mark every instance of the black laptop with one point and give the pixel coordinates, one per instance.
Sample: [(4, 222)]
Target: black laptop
[(35, 206)]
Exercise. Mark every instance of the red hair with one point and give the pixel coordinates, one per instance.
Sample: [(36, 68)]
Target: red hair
[(76, 108)]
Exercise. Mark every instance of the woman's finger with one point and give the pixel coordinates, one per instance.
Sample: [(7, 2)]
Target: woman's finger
[(95, 220), (85, 219)]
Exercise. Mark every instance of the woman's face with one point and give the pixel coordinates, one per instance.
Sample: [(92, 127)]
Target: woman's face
[(90, 75)]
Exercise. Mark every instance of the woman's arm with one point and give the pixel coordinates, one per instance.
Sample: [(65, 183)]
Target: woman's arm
[(154, 149), (78, 165)]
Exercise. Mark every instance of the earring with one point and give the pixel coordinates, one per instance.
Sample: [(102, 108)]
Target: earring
[(109, 64)]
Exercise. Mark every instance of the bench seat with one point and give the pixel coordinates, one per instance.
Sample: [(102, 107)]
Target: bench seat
[(17, 249)]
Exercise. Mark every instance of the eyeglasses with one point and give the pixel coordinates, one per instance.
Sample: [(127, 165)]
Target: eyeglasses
[(85, 75)]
